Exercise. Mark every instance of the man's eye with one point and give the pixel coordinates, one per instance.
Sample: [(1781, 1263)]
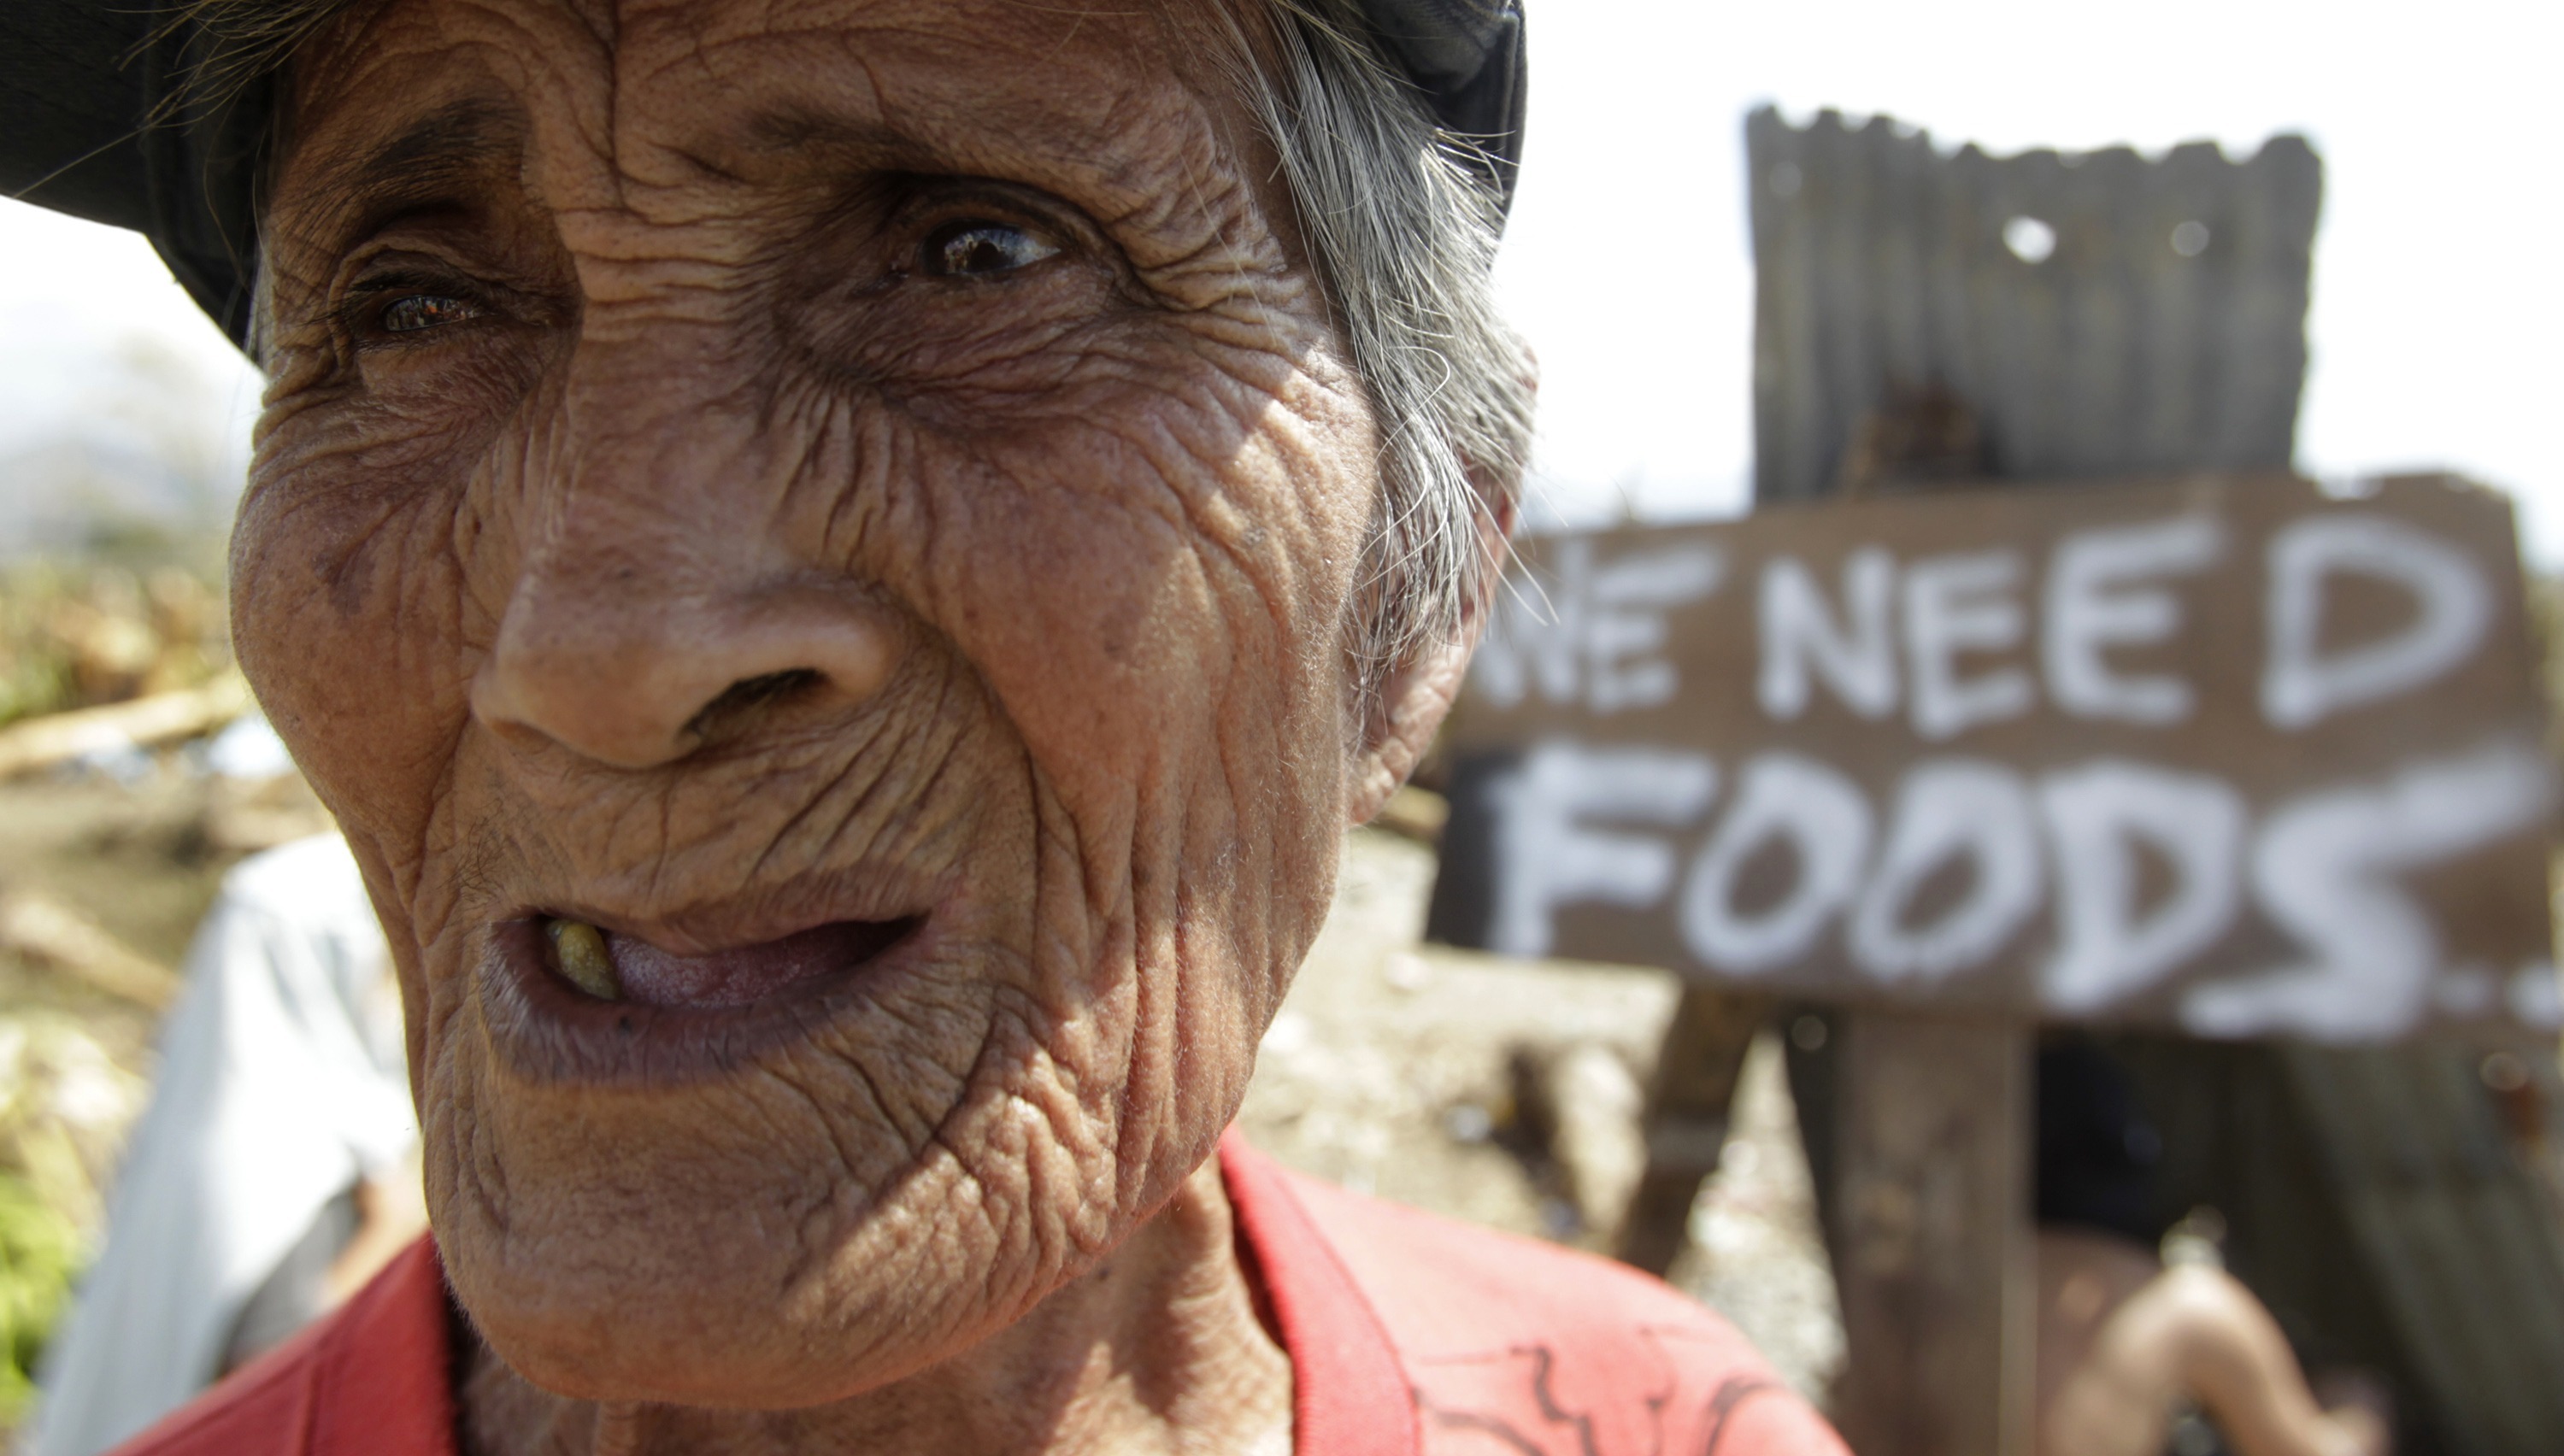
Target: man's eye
[(411, 312), (981, 250)]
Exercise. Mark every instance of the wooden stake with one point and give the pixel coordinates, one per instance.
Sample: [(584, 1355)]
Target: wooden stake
[(1687, 1117), (1932, 1236)]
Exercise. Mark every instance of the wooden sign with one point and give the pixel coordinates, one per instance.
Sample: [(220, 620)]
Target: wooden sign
[(2223, 751)]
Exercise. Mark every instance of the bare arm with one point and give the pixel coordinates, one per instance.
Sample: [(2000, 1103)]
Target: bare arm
[(2229, 1354)]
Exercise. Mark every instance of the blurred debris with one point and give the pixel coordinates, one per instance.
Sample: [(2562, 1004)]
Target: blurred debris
[(257, 799), (111, 846), (43, 928), (1390, 1068), (247, 749), (244, 818), (65, 1107), (1756, 1253), (1406, 971), (63, 738), (1415, 813), (1587, 1103), (1469, 1122), (40, 1255), (74, 637)]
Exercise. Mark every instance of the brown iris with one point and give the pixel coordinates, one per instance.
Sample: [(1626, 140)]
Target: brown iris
[(413, 311)]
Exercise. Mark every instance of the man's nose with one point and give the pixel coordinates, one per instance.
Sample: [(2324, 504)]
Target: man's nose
[(623, 665)]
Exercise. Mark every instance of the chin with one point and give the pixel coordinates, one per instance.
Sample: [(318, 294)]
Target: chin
[(763, 1208)]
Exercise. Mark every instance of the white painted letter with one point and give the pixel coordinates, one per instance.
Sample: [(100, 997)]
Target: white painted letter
[(2084, 615), (1627, 628), (2453, 603), (1531, 642), (1594, 636), (1955, 604), (1821, 815), (2096, 816), (1948, 807), (2324, 870), (1858, 659), (1547, 858)]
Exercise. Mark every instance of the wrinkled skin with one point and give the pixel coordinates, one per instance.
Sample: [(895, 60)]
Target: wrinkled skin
[(612, 370)]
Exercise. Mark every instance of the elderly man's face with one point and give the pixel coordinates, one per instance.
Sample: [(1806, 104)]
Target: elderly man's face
[(858, 501)]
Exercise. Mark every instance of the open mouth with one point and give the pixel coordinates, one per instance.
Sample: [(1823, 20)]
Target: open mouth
[(606, 966), (568, 1000)]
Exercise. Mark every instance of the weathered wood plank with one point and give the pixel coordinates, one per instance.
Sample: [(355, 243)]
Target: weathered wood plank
[(1686, 1117), (1931, 1231)]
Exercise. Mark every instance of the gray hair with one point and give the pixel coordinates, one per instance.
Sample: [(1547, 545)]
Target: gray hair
[(1402, 221)]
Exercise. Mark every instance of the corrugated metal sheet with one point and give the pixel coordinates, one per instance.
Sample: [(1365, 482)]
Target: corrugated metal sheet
[(2164, 332), (2461, 1240)]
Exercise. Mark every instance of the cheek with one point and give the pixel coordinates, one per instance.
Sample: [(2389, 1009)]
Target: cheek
[(356, 551), (1156, 598), (349, 615), (1161, 590)]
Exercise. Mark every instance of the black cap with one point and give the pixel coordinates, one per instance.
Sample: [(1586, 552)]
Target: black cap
[(1466, 55), (98, 119), (95, 120)]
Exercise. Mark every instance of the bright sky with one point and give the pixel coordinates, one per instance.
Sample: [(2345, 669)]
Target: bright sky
[(2438, 304), (78, 303), (2438, 300)]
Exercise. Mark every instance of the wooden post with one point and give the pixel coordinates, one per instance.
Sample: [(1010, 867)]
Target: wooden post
[(1931, 1226), (1686, 1117)]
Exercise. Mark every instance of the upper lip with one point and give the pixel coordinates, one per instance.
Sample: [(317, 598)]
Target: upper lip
[(753, 916)]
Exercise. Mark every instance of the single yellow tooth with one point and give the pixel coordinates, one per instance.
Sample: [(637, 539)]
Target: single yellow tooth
[(580, 949)]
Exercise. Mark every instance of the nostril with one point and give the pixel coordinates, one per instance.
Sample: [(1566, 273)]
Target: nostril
[(579, 662), (749, 694)]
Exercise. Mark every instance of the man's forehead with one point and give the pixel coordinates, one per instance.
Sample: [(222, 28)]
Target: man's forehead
[(439, 94)]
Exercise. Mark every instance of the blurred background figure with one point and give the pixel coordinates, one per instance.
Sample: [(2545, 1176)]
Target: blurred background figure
[(276, 1168), (2139, 1327)]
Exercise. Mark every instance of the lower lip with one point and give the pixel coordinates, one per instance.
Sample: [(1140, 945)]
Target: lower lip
[(693, 1020)]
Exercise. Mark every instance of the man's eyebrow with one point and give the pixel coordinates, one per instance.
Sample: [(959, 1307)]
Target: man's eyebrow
[(428, 159)]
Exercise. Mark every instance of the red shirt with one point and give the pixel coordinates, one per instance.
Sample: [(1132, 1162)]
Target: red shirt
[(1408, 1334)]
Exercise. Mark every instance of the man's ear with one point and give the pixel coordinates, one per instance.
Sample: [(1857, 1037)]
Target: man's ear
[(1418, 693)]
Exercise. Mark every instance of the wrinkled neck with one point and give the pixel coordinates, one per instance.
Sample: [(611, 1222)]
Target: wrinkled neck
[(1156, 1348)]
